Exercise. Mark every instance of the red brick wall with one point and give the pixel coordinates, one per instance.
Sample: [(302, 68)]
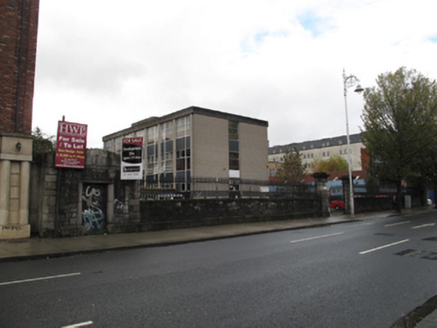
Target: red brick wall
[(17, 73)]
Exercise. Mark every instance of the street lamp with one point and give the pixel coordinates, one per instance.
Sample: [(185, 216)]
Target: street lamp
[(348, 82)]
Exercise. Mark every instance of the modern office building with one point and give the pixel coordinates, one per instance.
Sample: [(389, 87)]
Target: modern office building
[(323, 149), (200, 151)]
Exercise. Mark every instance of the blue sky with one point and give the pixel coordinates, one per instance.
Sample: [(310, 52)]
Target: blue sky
[(316, 25), (106, 65)]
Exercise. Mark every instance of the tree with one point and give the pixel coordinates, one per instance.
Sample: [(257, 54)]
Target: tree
[(399, 119), (335, 163), (292, 170), (42, 143)]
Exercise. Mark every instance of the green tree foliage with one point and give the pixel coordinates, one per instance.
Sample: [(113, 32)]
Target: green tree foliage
[(42, 143), (399, 119), (292, 170), (335, 163)]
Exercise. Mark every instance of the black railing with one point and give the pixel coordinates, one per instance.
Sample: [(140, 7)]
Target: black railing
[(294, 190), (200, 187)]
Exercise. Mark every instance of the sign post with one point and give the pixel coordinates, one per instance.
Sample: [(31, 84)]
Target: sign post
[(132, 158), (71, 145)]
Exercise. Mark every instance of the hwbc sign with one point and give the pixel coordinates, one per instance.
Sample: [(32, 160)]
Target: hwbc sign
[(71, 145)]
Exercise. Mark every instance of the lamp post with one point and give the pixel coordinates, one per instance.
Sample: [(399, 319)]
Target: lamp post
[(348, 82)]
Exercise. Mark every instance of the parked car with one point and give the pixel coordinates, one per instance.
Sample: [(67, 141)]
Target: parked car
[(337, 204)]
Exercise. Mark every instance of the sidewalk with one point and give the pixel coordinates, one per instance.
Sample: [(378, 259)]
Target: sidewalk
[(34, 248)]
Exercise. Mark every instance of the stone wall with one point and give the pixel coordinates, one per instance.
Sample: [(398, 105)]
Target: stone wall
[(176, 214), (71, 202), (372, 203)]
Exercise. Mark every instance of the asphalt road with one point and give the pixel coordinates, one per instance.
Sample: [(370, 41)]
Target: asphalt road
[(362, 274)]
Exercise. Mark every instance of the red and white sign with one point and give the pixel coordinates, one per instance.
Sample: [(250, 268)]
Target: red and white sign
[(71, 145), (132, 158)]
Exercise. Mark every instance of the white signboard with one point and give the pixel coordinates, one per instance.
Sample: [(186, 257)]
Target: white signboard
[(132, 159)]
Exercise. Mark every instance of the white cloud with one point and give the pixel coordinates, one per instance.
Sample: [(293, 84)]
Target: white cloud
[(109, 63)]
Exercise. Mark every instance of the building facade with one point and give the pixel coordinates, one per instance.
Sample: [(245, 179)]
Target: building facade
[(322, 149), (18, 26), (201, 152)]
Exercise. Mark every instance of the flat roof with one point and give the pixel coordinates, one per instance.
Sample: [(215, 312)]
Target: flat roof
[(316, 144), (151, 121)]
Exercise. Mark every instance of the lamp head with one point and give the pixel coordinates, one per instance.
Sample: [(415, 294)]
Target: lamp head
[(359, 88)]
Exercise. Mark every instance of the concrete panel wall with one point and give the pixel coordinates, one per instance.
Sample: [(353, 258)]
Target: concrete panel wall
[(253, 152), (210, 153)]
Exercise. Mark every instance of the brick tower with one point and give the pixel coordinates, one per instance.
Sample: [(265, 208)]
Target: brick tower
[(18, 35)]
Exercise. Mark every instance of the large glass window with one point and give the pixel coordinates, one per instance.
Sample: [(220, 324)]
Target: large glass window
[(183, 154), (118, 145), (183, 126), (152, 159), (167, 156), (152, 135), (167, 131)]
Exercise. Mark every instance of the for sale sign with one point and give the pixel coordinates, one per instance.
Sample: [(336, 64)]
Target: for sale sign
[(132, 158), (71, 145)]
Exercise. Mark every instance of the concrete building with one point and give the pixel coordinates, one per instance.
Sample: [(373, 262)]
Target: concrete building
[(323, 149), (18, 26), (200, 151)]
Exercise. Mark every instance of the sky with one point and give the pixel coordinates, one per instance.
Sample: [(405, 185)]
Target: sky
[(109, 63)]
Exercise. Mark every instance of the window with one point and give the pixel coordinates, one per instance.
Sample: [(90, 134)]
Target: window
[(234, 146), (108, 145), (233, 130), (152, 159), (183, 126), (167, 156), (183, 154), (167, 131), (233, 161), (152, 135), (117, 145)]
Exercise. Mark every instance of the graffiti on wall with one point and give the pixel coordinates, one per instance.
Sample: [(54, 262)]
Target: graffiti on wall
[(94, 208), (119, 207)]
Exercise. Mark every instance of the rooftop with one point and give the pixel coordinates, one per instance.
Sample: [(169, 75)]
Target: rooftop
[(151, 121), (321, 143)]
